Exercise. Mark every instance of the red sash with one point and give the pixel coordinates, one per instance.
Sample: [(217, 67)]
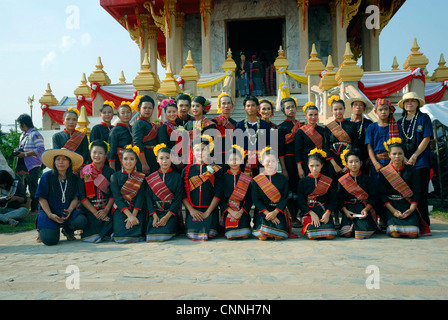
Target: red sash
[(159, 187), (312, 133), (322, 187), (339, 132), (223, 123), (397, 182), (268, 188), (75, 140), (95, 179), (132, 185), (152, 134), (290, 137), (197, 181), (240, 191)]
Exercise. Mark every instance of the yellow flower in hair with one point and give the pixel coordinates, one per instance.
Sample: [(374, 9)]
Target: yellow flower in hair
[(333, 99), (74, 110), (344, 161), (211, 145), (134, 148), (158, 147), (109, 103), (126, 103), (308, 104), (223, 94), (316, 150), (262, 152), (241, 150), (390, 142), (135, 103), (83, 130)]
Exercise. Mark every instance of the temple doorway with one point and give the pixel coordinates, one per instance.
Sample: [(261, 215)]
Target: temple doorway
[(261, 38)]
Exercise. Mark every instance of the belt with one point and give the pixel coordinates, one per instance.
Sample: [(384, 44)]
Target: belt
[(318, 203), (353, 201), (395, 197), (337, 146)]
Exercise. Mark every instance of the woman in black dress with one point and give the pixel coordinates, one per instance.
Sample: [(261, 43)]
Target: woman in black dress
[(120, 136)]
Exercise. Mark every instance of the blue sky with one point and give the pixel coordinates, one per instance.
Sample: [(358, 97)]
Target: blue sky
[(40, 43)]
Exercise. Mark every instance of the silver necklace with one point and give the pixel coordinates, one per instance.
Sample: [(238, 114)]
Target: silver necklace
[(410, 128), (63, 189)]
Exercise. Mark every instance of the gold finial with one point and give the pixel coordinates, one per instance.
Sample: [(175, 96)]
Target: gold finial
[(146, 80), (169, 85), (83, 89), (395, 64), (314, 65), (416, 59), (48, 98), (441, 73), (189, 71), (349, 70), (229, 63), (121, 79), (281, 61), (83, 121), (99, 75), (328, 80)]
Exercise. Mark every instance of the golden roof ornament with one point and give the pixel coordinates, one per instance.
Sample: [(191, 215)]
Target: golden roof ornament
[(349, 70), (229, 63), (99, 75), (416, 59), (281, 61), (48, 98), (169, 85), (189, 71), (314, 65), (121, 79), (441, 73), (83, 89), (146, 80), (328, 80), (395, 64)]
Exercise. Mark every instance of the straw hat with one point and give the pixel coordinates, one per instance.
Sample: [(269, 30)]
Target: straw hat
[(409, 96), (48, 157), (367, 102)]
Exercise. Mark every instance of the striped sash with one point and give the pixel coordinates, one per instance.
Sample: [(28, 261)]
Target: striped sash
[(75, 140), (240, 191), (197, 181), (322, 187), (352, 187), (339, 132), (159, 187), (312, 133), (152, 134), (268, 188), (132, 185), (290, 137), (396, 181)]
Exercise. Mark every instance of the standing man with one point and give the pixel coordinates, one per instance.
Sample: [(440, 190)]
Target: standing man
[(28, 154)]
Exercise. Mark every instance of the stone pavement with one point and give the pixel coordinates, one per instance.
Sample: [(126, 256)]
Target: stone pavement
[(294, 269)]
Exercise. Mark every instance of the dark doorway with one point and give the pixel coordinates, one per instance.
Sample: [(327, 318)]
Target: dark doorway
[(261, 38)]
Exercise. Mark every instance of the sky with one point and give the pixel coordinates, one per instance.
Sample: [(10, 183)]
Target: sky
[(57, 41)]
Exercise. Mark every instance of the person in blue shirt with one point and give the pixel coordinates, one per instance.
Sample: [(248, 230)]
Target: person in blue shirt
[(417, 132)]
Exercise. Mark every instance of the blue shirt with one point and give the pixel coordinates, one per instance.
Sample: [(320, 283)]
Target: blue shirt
[(421, 130), (376, 136)]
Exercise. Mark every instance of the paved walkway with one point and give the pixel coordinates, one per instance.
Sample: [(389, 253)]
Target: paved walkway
[(222, 269)]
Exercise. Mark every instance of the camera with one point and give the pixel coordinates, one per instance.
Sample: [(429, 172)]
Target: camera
[(17, 152)]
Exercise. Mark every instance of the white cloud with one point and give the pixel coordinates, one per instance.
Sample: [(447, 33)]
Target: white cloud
[(86, 38), (66, 43), (48, 59)]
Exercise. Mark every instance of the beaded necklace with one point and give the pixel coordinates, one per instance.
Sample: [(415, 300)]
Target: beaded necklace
[(252, 137), (411, 127)]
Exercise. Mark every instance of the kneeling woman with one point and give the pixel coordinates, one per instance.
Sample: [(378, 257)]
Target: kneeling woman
[(236, 199), (356, 196), (203, 186), (399, 191), (270, 196), (95, 194), (128, 191), (165, 200), (317, 199), (58, 197)]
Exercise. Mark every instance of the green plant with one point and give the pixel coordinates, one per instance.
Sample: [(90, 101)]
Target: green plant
[(9, 142)]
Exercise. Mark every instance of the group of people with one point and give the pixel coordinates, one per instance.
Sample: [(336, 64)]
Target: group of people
[(249, 76), (124, 184)]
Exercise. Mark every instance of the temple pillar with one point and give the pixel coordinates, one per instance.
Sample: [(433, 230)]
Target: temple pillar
[(370, 49), (339, 30), (206, 42), (179, 45), (171, 35), (302, 6)]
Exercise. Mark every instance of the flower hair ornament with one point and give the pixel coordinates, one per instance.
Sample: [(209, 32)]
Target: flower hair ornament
[(109, 103), (262, 152), (307, 105), (391, 142), (126, 103), (333, 99), (211, 145), (73, 110), (343, 154), (207, 105), (133, 148), (223, 94), (158, 147), (166, 102), (135, 103), (242, 152), (107, 146), (319, 151)]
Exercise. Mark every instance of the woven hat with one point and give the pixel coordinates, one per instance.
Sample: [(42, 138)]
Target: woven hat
[(409, 96), (48, 157), (367, 102)]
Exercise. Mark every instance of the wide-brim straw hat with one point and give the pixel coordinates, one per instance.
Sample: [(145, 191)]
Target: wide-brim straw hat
[(48, 157), (369, 105), (410, 96)]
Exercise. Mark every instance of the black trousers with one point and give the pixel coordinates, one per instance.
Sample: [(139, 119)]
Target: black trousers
[(423, 176), (32, 179)]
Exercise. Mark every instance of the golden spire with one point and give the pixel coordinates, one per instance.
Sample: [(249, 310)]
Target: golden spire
[(146, 80), (229, 63), (169, 85), (189, 71), (395, 65), (281, 61), (99, 75), (349, 70), (416, 59), (121, 79), (83, 89), (83, 121), (314, 65), (48, 98), (328, 80), (441, 73)]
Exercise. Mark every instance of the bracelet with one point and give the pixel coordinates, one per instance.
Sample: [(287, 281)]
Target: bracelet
[(26, 154)]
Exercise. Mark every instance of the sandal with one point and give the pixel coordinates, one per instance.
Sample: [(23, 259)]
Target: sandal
[(13, 223), (70, 236)]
